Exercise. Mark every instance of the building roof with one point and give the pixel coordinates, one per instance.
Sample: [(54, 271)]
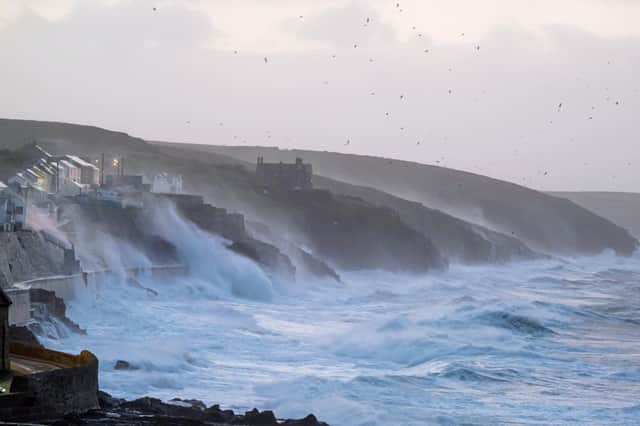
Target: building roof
[(80, 162), (67, 164), (4, 299)]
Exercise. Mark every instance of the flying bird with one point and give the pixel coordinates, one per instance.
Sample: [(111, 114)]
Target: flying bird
[(347, 142), (266, 60), (559, 106)]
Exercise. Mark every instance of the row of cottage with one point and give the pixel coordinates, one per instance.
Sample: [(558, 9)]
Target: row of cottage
[(69, 176)]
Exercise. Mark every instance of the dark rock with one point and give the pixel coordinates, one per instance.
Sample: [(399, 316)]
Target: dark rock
[(194, 403), (178, 412), (107, 402), (215, 414), (22, 334), (310, 420), (255, 417), (124, 365)]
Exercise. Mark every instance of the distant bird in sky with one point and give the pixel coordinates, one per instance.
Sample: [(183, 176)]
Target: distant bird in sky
[(559, 106), (301, 16), (333, 56), (450, 91), (401, 97), (477, 47), (235, 52), (418, 143), (155, 9), (266, 60), (188, 122), (347, 142), (368, 20), (426, 50), (355, 46), (386, 113), (372, 93), (617, 102)]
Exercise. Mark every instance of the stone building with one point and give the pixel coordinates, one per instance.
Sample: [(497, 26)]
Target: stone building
[(288, 177), (5, 302)]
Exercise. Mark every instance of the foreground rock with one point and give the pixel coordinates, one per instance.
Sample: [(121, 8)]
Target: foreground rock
[(151, 411)]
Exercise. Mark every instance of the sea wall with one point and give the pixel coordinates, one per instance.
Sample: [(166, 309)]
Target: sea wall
[(73, 388), (20, 309)]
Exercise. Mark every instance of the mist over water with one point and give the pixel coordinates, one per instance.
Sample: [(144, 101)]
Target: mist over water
[(544, 342)]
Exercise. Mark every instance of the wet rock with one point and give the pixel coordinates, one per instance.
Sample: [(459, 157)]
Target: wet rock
[(310, 420), (177, 412), (107, 402), (255, 417), (22, 334), (124, 365)]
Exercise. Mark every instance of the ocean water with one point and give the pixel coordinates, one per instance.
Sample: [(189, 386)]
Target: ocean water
[(544, 342)]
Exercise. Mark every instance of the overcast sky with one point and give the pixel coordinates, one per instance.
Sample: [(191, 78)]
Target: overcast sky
[(544, 93)]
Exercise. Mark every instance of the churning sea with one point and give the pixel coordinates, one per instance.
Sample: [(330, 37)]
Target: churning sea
[(547, 342)]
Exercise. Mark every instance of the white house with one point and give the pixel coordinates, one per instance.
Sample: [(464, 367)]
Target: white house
[(89, 173)]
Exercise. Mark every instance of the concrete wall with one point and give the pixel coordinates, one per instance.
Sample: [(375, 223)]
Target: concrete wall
[(70, 389), (20, 309), (65, 286)]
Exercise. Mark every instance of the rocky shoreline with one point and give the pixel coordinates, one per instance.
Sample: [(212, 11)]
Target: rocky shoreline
[(151, 411)]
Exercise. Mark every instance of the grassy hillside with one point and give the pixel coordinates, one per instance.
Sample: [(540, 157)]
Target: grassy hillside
[(377, 238), (621, 208), (545, 222)]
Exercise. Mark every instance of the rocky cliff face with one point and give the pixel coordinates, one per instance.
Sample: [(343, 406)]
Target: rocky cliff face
[(350, 232), (27, 255), (458, 240), (543, 222)]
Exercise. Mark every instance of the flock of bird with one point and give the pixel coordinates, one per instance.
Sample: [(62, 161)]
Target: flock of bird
[(367, 22)]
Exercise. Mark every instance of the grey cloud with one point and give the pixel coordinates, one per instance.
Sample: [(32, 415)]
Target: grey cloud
[(344, 27)]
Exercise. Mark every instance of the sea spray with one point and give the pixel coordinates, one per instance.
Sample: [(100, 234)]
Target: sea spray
[(469, 345)]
